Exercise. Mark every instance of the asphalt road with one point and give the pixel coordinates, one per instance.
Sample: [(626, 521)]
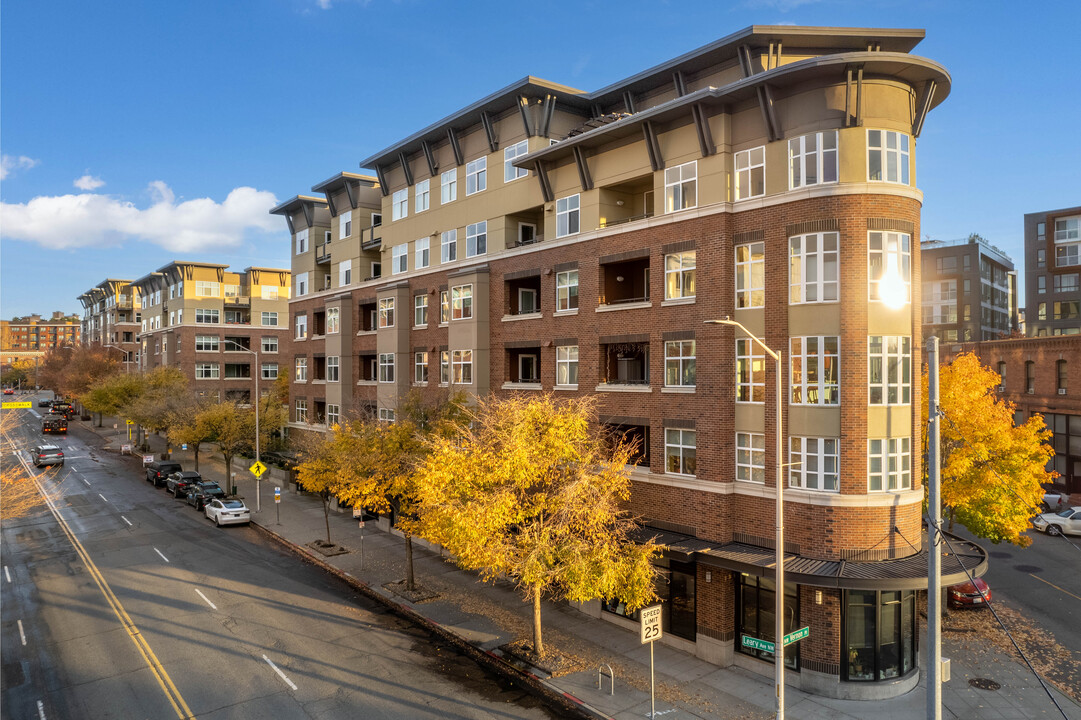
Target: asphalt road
[(132, 605)]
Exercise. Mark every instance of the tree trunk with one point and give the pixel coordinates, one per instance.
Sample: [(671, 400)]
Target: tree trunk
[(326, 512), (195, 448), (538, 643), (99, 419), (228, 457), (951, 519), (410, 582)]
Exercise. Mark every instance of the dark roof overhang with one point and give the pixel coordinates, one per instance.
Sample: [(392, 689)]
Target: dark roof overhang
[(338, 182), (296, 203)]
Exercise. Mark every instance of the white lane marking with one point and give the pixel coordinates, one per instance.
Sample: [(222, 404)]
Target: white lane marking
[(162, 556), (102, 497), (7, 573), (22, 635), (126, 520), (85, 482), (41, 710), (212, 605), (280, 673), (35, 413)]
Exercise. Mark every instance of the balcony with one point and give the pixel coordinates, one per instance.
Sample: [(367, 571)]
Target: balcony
[(626, 365), (371, 238), (322, 253), (624, 282), (626, 202), (238, 301)]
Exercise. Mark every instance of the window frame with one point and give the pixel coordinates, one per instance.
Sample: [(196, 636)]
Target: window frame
[(676, 279), (804, 363), (750, 275), (461, 302), (476, 176), (510, 172), (300, 327), (900, 157), (422, 253), (823, 158), (448, 245), (336, 366), (823, 260), (893, 361), (420, 311), (751, 457), (399, 262), (567, 365), (568, 216), (684, 468), (461, 363), (748, 384), (748, 158), (420, 367), (476, 239), (878, 261), (893, 457), (300, 369), (422, 196), (386, 367), (265, 344), (565, 288), (448, 186), (399, 204), (333, 321), (799, 452), (206, 370), (676, 359), (301, 410), (676, 182), (386, 307)]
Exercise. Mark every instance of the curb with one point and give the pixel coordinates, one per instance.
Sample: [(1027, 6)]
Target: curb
[(556, 699)]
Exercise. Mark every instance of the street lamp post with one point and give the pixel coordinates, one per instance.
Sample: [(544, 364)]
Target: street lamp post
[(256, 372), (779, 595), (934, 540)]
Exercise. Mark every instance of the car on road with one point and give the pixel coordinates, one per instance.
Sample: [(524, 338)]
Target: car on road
[(970, 594), (1064, 522), (178, 483), (45, 402), (200, 493), (9, 391), (1053, 501), (159, 470), (227, 512), (54, 424), (47, 455), (63, 408)]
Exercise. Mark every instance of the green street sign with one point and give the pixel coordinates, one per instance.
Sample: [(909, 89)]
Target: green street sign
[(796, 635), (756, 644)]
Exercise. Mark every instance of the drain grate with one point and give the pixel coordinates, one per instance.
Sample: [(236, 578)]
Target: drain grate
[(984, 684)]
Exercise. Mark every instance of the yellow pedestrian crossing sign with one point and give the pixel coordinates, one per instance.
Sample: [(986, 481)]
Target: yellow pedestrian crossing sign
[(17, 405), (257, 469)]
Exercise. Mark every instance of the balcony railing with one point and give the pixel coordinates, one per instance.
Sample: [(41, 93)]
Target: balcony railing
[(238, 300), (371, 237), (322, 253)]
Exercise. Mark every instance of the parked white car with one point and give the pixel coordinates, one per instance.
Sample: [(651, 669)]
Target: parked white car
[(1064, 522), (227, 512)]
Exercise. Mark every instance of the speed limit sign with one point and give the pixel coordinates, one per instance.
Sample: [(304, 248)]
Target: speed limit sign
[(651, 624)]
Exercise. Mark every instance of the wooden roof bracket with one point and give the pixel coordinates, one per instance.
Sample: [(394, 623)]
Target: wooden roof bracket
[(743, 52), (452, 137), (289, 222), (701, 124), (433, 167), (542, 177), (923, 107), (854, 97), (765, 101), (406, 169), (548, 110), (308, 215), (350, 194), (384, 189), (330, 204), (489, 128), (680, 85), (583, 168), (656, 161), (628, 101)]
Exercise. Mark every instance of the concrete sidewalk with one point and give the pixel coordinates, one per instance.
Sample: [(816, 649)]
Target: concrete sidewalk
[(491, 615)]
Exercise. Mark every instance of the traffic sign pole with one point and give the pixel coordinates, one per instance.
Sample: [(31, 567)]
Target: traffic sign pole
[(651, 630)]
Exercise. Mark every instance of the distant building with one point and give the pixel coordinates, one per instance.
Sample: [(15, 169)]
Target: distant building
[(111, 319), (30, 337), (1053, 272), (969, 290)]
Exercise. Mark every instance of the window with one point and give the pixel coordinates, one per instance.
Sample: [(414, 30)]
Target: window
[(814, 370), (386, 367), (889, 369), (887, 156), (879, 634), (567, 365), (757, 602), (386, 312), (333, 321), (444, 307), (462, 367), (420, 310), (476, 239), (527, 301), (812, 159), (204, 288), (301, 323), (172, 317), (813, 463), (302, 284), (302, 369), (333, 365), (679, 451), (1041, 257), (206, 371), (448, 191), (751, 275), (567, 290), (270, 371), (751, 457), (206, 343), (270, 344), (1060, 373), (377, 269), (527, 369), (268, 318), (812, 268), (420, 368), (476, 176), (567, 216), (400, 261), (888, 254), (302, 411), (334, 414), (750, 173), (889, 465), (423, 255), (679, 363), (448, 242), (444, 367), (345, 273), (345, 225), (679, 275), (1041, 311), (681, 187), (209, 317), (386, 415), (1030, 377), (1068, 230), (461, 302), (1067, 310), (1066, 283), (399, 206), (750, 372), (302, 241), (422, 196), (509, 154)]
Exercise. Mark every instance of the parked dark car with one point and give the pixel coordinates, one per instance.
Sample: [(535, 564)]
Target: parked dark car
[(47, 455), (199, 494), (45, 402), (178, 483), (157, 472), (54, 424)]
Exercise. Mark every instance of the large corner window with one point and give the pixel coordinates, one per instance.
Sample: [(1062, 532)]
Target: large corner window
[(813, 268), (812, 159), (879, 634), (757, 612), (887, 156)]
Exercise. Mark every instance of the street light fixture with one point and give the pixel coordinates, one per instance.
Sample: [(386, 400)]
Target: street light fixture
[(257, 371), (779, 594)]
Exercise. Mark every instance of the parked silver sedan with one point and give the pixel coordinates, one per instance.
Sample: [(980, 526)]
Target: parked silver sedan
[(227, 512)]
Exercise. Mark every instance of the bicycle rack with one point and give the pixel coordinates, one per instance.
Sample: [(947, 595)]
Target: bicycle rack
[(611, 676)]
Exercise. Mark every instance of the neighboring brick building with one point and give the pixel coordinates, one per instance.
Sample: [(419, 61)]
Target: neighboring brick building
[(768, 176), (1053, 272), (111, 318), (969, 290), (208, 322), (27, 338)]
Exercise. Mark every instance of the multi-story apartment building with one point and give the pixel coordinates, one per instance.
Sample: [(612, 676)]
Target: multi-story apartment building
[(27, 338), (769, 177), (219, 327), (111, 318), (1041, 376), (1052, 272), (969, 290)]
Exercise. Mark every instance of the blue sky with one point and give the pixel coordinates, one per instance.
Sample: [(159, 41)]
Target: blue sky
[(136, 133)]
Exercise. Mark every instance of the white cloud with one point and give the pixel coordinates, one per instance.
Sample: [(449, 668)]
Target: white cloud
[(10, 162), (88, 182), (95, 220)]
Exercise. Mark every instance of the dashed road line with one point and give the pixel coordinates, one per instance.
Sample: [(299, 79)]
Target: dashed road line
[(41, 710), (280, 673), (7, 573), (1054, 586), (206, 599), (22, 635), (85, 482), (102, 497), (162, 556), (126, 520)]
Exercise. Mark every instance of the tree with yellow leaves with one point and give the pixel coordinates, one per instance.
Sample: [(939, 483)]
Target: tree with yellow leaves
[(532, 492), (992, 470)]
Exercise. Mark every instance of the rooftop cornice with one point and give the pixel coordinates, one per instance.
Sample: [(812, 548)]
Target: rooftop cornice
[(338, 182), (295, 203)]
